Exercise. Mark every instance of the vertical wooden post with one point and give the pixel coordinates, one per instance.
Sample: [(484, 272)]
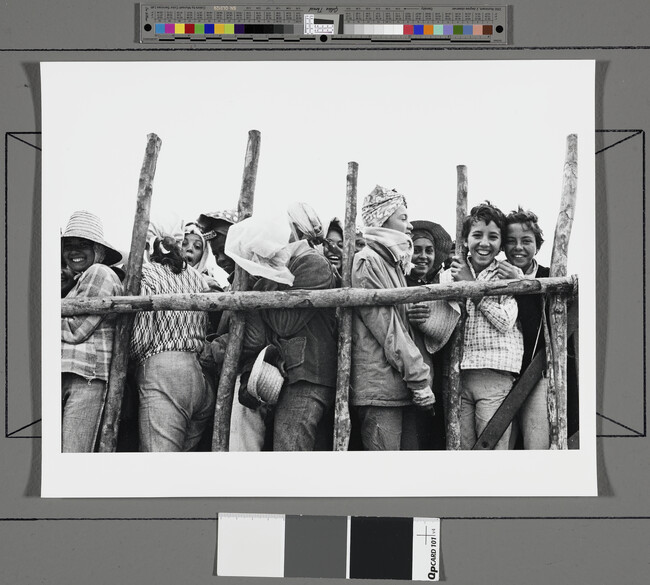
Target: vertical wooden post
[(117, 376), (556, 337), (225, 391), (452, 398), (342, 412)]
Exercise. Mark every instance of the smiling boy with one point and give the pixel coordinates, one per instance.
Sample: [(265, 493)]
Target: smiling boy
[(523, 239), (493, 343)]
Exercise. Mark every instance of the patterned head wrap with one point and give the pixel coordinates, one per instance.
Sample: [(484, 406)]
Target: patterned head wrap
[(379, 205), (217, 222)]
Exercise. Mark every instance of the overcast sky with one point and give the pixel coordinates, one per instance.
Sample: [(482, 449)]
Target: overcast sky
[(407, 124)]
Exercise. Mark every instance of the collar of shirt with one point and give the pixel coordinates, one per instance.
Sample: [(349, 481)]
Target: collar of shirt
[(532, 269), (486, 272)]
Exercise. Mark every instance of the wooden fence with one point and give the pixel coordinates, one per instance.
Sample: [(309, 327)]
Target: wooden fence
[(558, 289)]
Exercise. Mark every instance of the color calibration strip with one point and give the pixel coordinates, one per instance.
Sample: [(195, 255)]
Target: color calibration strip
[(435, 24), (337, 547)]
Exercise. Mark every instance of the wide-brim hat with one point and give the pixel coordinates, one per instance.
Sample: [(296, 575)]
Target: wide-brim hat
[(215, 222), (437, 329), (87, 225), (441, 240), (265, 381)]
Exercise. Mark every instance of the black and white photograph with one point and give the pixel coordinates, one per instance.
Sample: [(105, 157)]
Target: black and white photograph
[(318, 278)]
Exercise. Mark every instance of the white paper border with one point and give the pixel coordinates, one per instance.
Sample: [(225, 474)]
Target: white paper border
[(352, 474)]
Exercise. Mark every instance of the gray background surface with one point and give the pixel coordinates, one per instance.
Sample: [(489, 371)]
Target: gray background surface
[(484, 540)]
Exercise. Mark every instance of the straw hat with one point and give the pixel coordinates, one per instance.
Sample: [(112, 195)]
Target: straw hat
[(440, 324), (441, 240), (265, 381), (83, 224)]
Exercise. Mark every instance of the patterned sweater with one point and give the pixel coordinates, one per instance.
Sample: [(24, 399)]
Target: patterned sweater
[(158, 331)]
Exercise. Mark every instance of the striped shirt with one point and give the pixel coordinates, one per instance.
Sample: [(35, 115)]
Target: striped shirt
[(158, 331), (493, 338), (87, 340)]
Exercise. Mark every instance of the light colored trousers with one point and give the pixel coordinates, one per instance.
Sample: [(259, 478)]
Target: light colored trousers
[(176, 402), (82, 402), (532, 420), (482, 392)]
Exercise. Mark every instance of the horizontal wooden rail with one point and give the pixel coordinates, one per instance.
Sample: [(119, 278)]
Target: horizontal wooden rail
[(339, 297)]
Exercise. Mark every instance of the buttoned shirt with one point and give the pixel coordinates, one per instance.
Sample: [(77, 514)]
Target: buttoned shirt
[(493, 336), (158, 331), (87, 340)]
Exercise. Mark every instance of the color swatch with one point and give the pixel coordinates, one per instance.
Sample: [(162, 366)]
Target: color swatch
[(199, 28), (337, 547), (332, 25)]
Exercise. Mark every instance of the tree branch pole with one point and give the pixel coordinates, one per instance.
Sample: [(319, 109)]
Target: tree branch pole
[(124, 323), (318, 299), (225, 391), (342, 409), (452, 398), (557, 394)]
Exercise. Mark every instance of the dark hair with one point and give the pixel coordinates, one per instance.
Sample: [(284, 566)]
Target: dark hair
[(485, 212), (166, 252), (335, 226), (530, 220)]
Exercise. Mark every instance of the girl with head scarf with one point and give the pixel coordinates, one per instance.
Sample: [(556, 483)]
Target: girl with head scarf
[(389, 377), (306, 338), (86, 340), (176, 401), (196, 252), (333, 244)]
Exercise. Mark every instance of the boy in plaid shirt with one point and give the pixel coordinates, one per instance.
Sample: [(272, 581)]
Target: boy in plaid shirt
[(493, 344)]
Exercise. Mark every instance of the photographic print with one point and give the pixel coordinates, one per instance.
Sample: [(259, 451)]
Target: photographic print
[(417, 243)]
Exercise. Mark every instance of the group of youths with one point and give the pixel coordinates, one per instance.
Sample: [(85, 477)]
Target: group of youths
[(286, 383)]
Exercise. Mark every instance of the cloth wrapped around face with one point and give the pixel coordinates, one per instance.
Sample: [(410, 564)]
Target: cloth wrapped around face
[(261, 247)]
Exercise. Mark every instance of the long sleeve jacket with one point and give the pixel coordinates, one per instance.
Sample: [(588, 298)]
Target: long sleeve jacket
[(386, 363)]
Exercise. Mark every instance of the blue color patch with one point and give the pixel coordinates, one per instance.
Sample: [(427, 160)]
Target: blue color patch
[(468, 29), (209, 29), (160, 28), (418, 29)]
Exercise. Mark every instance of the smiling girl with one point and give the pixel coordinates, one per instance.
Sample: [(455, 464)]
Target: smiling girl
[(493, 345), (86, 340)]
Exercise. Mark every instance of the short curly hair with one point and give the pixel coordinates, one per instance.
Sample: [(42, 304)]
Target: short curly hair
[(528, 219), (485, 212)]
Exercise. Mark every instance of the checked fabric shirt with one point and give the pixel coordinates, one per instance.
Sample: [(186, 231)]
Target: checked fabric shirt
[(158, 331), (493, 336), (87, 340)]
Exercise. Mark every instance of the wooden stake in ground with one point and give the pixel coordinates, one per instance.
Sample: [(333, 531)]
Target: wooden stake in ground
[(342, 412), (452, 398), (556, 336), (223, 407), (117, 376)]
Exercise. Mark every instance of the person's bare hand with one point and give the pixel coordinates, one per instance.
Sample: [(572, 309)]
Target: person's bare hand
[(460, 270), (424, 398), (418, 313), (507, 271)]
